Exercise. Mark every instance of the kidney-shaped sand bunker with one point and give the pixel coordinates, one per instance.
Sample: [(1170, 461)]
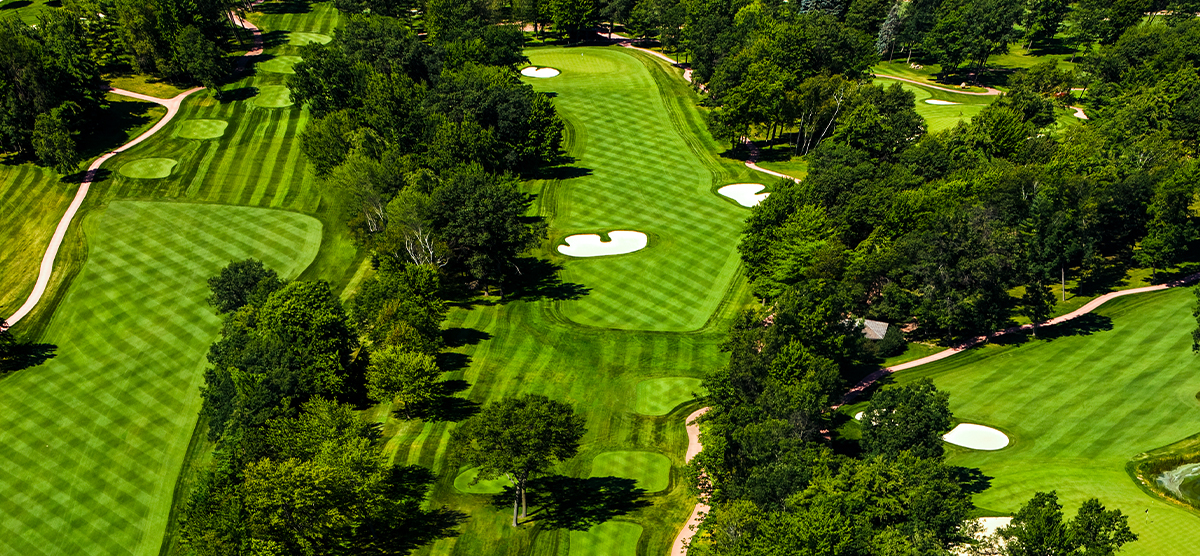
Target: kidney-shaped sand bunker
[(976, 437), (590, 245), (745, 194), (533, 71)]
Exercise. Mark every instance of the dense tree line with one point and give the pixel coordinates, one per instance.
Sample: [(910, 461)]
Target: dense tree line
[(425, 142), (51, 87)]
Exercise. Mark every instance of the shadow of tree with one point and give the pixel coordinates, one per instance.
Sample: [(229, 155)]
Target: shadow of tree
[(577, 504), (240, 93), (274, 38), (539, 280), (445, 405), (18, 356), (972, 480), (457, 337), (411, 527)]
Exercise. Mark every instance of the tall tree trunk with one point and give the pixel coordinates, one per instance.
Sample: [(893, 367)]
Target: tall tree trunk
[(516, 503), (524, 508), (1063, 270), (909, 60)]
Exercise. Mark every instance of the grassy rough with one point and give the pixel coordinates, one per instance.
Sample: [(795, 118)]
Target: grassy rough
[(658, 396), (1078, 405), (95, 437), (279, 64), (607, 539)]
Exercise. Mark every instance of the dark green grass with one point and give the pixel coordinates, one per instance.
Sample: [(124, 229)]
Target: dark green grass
[(641, 174), (1079, 407), (607, 539), (94, 438), (658, 396), (484, 486), (651, 470)]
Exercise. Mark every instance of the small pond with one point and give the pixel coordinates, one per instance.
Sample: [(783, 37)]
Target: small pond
[(1183, 481)]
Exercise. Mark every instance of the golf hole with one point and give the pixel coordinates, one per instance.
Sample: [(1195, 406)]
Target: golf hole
[(590, 245), (745, 194)]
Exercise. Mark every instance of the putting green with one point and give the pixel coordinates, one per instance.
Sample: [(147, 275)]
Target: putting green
[(201, 129), (273, 96), (492, 486), (301, 39), (651, 470), (149, 168), (658, 396), (611, 538), (279, 64)]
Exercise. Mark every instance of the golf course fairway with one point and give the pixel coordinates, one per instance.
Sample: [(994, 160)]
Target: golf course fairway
[(1078, 404), (94, 437)]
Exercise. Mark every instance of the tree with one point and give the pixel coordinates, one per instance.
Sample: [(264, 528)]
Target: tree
[(200, 57), (241, 283), (1170, 228), (1195, 313), (1043, 18), (1037, 303), (573, 17), (52, 141), (405, 376), (1038, 529), (400, 296), (481, 217), (912, 417), (519, 438), (890, 30)]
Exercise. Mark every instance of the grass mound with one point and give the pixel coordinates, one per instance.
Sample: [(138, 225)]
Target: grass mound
[(302, 38), (279, 64), (273, 96), (149, 168), (611, 538), (651, 470), (658, 396), (94, 438), (1078, 403), (493, 486), (201, 129)]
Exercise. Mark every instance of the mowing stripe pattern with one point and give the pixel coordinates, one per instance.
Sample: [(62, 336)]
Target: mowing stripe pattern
[(94, 438)]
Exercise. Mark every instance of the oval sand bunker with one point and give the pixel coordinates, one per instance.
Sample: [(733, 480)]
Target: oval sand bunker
[(940, 102), (746, 194), (976, 437), (533, 71), (589, 245)]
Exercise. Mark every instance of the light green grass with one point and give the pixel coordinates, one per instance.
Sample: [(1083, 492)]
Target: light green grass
[(273, 96), (658, 396), (279, 64), (614, 538), (488, 486), (796, 167), (299, 38), (144, 84), (94, 438), (644, 176), (29, 11), (651, 470), (200, 129), (941, 117), (1079, 407), (149, 168)]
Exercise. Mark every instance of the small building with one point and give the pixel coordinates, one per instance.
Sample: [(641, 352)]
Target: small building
[(873, 329)]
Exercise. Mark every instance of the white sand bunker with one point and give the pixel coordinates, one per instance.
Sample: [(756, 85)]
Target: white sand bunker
[(590, 245), (976, 437), (533, 71), (940, 102), (746, 194), (858, 416)]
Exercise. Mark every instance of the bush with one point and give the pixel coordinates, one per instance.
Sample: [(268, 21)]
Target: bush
[(893, 343)]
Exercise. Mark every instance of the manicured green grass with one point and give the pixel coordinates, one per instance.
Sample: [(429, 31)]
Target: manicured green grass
[(607, 539), (201, 129), (487, 486), (144, 84), (647, 169), (148, 168), (273, 96), (1079, 407), (940, 117), (29, 11), (94, 438), (796, 167), (301, 38), (651, 470), (658, 396), (279, 64), (33, 199)]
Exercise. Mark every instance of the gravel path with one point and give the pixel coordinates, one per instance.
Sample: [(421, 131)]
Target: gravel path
[(60, 233)]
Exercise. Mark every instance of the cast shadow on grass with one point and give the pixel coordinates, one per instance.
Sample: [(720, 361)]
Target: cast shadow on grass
[(539, 280), (109, 130), (457, 336), (285, 7), (95, 176), (240, 93), (1083, 325), (275, 38), (972, 480), (19, 356), (16, 5), (445, 406), (577, 504), (405, 531)]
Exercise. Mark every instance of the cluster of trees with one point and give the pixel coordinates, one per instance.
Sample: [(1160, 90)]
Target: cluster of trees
[(51, 87), (296, 469), (425, 143), (780, 482), (937, 229)]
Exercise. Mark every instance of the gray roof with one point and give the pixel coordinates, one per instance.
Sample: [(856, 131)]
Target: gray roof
[(873, 329)]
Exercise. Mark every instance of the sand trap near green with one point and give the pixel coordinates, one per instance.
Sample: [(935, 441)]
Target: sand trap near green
[(976, 437), (746, 194), (149, 168), (658, 396), (651, 470), (279, 64), (462, 483), (201, 129), (273, 96), (533, 71), (590, 245), (611, 538), (301, 39), (940, 102)]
